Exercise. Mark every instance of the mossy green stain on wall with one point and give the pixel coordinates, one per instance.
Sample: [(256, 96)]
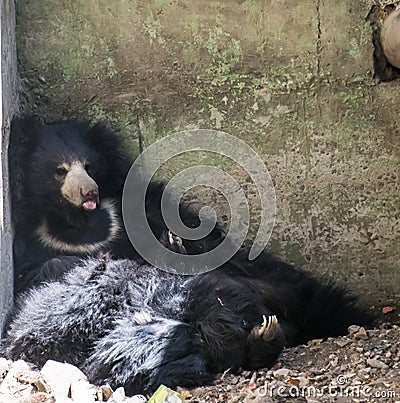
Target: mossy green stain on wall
[(304, 98)]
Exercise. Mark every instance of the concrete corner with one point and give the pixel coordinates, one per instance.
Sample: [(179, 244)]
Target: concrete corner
[(9, 102)]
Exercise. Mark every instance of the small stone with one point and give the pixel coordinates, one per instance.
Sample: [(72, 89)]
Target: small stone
[(59, 376), (343, 342), (303, 382), (136, 399), (276, 366), (353, 329), (361, 334), (334, 362), (42, 386), (82, 392), (373, 363), (364, 372), (4, 366), (281, 373), (118, 396), (5, 397), (315, 342), (27, 376), (10, 384), (355, 358), (39, 397), (256, 398), (107, 391)]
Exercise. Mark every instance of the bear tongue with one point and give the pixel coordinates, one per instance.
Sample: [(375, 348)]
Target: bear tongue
[(89, 205)]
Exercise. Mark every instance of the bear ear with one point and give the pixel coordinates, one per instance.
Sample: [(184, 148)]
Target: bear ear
[(109, 145), (101, 138), (23, 139)]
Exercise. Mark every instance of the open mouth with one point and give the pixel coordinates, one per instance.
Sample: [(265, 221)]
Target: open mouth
[(89, 205)]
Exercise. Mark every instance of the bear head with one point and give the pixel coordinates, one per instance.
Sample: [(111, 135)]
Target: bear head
[(64, 169)]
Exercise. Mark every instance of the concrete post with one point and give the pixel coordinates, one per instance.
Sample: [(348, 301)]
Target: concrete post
[(9, 103)]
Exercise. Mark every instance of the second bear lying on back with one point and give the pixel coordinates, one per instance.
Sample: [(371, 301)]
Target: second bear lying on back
[(135, 326)]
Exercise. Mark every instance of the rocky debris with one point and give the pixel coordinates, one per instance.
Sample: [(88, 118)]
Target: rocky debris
[(376, 363), (56, 383), (362, 367)]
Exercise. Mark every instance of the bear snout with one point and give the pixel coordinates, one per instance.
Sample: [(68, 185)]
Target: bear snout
[(91, 196), (89, 192), (79, 188)]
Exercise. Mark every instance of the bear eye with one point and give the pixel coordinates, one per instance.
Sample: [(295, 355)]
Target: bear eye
[(61, 171)]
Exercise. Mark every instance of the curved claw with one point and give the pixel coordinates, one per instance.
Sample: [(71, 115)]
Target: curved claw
[(265, 343), (171, 238), (176, 243), (269, 329), (263, 326)]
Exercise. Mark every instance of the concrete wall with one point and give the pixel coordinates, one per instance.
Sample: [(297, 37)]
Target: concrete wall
[(8, 90), (291, 77)]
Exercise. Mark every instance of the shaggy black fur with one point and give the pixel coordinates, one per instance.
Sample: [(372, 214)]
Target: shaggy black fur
[(133, 325), (37, 153)]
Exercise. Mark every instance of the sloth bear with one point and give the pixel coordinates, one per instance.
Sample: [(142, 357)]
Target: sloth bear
[(120, 319), (132, 325), (66, 184)]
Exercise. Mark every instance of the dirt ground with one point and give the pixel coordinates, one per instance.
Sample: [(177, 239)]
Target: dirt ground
[(363, 366)]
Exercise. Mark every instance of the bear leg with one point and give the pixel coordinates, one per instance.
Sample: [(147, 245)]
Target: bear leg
[(143, 354)]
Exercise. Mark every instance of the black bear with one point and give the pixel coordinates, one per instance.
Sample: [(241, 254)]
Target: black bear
[(66, 184), (122, 320), (132, 325)]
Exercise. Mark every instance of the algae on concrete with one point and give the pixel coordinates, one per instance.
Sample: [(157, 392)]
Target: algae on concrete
[(292, 78)]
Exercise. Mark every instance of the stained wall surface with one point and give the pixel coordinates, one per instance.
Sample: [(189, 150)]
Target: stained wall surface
[(9, 98), (292, 78)]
